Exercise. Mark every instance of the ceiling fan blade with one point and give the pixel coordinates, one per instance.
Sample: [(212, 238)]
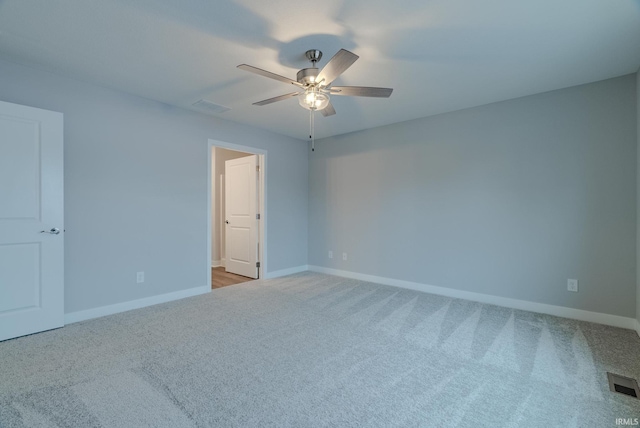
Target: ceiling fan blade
[(336, 66), (361, 91), (328, 110), (275, 99), (268, 74)]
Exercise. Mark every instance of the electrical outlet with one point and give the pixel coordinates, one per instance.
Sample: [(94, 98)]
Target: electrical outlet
[(572, 285), (140, 277), (330, 254), (344, 256)]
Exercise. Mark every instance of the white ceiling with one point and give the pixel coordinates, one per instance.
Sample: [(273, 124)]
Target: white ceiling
[(438, 55)]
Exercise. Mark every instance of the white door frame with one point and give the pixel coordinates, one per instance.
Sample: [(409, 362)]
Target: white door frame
[(262, 207)]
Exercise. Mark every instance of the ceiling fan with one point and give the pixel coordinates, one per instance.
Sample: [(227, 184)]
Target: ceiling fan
[(315, 86)]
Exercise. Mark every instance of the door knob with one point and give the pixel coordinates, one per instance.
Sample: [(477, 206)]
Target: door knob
[(226, 221), (53, 231)]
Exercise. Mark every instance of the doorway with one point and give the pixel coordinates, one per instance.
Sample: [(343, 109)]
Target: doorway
[(235, 256)]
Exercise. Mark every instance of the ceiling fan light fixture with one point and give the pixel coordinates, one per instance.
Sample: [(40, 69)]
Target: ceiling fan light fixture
[(312, 99)]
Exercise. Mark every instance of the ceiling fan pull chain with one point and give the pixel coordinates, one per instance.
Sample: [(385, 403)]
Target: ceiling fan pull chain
[(311, 133)]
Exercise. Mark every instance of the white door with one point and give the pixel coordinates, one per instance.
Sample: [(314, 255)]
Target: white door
[(31, 221), (241, 209)]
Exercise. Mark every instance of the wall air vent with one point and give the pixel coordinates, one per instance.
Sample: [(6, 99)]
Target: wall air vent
[(210, 107), (623, 385)]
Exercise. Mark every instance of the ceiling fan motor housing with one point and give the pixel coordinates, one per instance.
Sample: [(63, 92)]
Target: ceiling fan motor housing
[(307, 76)]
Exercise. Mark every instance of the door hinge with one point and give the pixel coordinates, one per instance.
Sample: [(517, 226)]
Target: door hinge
[(257, 264), (257, 216), (257, 167)]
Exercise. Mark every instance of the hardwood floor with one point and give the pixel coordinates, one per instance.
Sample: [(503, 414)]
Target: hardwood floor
[(220, 278)]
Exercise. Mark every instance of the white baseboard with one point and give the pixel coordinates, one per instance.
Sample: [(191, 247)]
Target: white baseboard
[(560, 311), (217, 263), (285, 272), (638, 326), (133, 304)]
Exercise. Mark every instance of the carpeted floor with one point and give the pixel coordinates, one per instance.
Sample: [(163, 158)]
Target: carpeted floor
[(312, 350)]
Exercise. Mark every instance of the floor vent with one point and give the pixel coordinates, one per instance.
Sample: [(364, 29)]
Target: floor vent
[(211, 107), (623, 385)]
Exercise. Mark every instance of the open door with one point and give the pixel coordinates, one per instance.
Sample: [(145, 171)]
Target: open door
[(31, 221), (241, 216)]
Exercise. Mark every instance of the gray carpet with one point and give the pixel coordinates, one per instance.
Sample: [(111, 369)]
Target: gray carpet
[(312, 350)]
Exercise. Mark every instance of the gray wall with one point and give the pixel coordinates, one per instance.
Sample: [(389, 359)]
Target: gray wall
[(136, 188), (509, 199)]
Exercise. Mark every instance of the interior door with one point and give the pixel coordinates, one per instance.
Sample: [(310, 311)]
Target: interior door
[(241, 208), (31, 220)]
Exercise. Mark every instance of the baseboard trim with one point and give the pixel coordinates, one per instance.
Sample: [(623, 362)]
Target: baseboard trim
[(285, 272), (638, 327), (102, 311), (216, 263), (560, 311)]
